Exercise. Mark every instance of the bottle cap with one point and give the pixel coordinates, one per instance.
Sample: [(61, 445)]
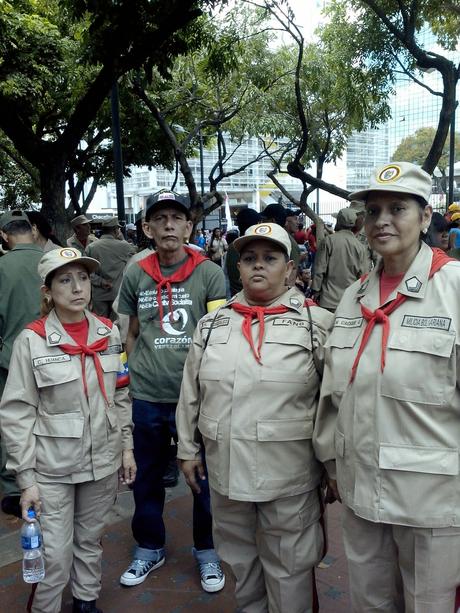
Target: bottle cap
[(31, 513)]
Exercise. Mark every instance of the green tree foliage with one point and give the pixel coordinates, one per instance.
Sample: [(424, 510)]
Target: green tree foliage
[(326, 96), (218, 87), (59, 60), (414, 148), (387, 36)]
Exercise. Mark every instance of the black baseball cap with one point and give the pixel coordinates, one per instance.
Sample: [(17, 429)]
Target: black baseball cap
[(166, 197)]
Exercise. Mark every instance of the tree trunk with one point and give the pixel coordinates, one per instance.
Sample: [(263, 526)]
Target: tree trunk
[(52, 187)]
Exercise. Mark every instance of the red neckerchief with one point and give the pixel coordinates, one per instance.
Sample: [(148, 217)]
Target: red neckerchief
[(38, 326), (151, 266), (380, 316), (256, 312)]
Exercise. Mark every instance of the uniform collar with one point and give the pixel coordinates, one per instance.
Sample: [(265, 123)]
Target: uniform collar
[(28, 246), (412, 285), (56, 334), (290, 299)]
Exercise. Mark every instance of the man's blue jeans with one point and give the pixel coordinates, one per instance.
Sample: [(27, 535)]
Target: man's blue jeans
[(154, 425)]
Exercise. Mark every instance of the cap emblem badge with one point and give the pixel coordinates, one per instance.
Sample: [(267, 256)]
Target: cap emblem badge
[(68, 253), (262, 230), (389, 173)]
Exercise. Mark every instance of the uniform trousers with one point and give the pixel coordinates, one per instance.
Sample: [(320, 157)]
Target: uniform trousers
[(8, 485), (395, 569), (271, 548), (73, 519)]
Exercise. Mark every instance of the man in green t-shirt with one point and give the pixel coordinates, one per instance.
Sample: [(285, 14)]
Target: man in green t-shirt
[(165, 294)]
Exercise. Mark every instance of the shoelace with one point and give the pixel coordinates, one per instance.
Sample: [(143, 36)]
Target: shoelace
[(140, 565), (211, 569)]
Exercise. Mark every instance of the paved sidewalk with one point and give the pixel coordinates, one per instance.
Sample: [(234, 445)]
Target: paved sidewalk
[(173, 588)]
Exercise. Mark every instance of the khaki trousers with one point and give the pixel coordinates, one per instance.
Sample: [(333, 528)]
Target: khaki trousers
[(8, 485), (395, 569), (72, 520), (272, 548)]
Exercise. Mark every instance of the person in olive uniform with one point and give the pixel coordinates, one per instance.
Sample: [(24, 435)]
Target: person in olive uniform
[(82, 236), (19, 304), (112, 252)]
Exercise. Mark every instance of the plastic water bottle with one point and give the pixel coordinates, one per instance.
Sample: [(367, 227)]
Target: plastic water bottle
[(33, 568)]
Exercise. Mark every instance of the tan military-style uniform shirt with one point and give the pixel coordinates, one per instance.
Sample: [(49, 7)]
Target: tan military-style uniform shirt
[(256, 420), (395, 435), (372, 256), (112, 254), (51, 429), (340, 260), (73, 241)]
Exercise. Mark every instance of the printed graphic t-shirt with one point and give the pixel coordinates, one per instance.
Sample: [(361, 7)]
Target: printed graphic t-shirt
[(157, 360)]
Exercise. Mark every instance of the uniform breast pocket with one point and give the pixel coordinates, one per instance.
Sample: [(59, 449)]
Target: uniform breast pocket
[(418, 365), (215, 334), (342, 348), (59, 385), (111, 365), (216, 357), (287, 354)]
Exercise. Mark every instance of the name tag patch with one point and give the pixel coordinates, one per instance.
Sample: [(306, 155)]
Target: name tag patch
[(50, 359), (219, 323), (287, 321), (347, 322), (112, 349), (434, 322)]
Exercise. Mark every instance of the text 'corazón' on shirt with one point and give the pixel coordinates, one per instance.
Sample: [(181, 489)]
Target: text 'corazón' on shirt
[(157, 360)]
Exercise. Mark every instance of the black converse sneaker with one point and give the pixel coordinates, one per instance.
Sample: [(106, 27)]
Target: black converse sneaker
[(138, 570)]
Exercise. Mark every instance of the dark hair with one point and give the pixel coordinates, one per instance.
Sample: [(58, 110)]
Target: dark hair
[(213, 235), (246, 218), (438, 224), (231, 236), (421, 201), (275, 211), (17, 227), (293, 212), (37, 219)]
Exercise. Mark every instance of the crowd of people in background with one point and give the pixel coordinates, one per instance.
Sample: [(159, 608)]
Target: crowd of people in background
[(247, 356)]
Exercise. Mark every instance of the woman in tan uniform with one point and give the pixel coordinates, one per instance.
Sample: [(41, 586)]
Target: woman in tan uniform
[(389, 414), (250, 390), (66, 420)]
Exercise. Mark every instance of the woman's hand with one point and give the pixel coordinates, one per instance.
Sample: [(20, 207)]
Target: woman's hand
[(193, 469), (332, 492), (30, 497), (127, 471)]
